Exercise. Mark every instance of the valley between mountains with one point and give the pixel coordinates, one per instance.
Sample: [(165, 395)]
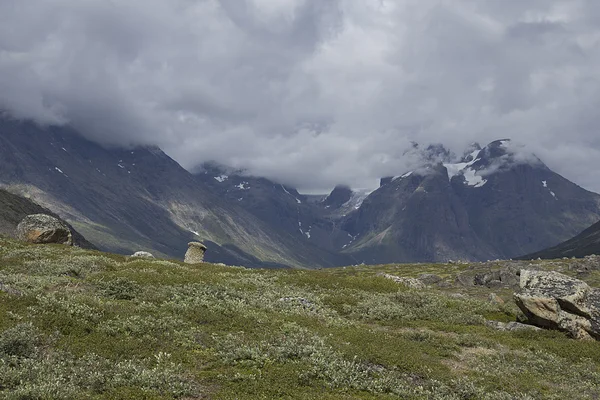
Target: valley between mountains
[(362, 294), (493, 202)]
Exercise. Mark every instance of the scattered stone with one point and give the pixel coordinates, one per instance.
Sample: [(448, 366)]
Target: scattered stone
[(465, 279), (494, 284), (304, 302), (412, 283), (195, 253), (507, 277), (510, 326), (9, 290), (586, 265), (430, 279), (43, 229), (555, 301), (142, 254), (510, 277), (495, 299)]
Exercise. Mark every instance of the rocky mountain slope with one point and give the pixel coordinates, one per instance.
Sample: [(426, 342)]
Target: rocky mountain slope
[(279, 206), (496, 202), (14, 208), (126, 200), (584, 244)]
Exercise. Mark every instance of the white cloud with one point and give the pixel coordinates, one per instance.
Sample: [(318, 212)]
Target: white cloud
[(311, 92)]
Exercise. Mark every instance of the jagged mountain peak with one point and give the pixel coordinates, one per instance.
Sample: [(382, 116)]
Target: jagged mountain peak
[(471, 152), (503, 155), (340, 195), (216, 169), (432, 153), (475, 165)]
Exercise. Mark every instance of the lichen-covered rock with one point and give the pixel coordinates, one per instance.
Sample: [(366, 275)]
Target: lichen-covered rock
[(430, 279), (42, 228), (465, 279), (412, 283), (586, 265), (195, 253), (142, 254), (493, 298), (556, 301), (510, 326), (507, 277)]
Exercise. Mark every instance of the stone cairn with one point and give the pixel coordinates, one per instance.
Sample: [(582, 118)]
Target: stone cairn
[(195, 253)]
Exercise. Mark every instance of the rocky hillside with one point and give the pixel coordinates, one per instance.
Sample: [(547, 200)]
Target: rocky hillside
[(496, 202), (84, 324), (14, 208), (125, 200), (584, 244), (279, 206)]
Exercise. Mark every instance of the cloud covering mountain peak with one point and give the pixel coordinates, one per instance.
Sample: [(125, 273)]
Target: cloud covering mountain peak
[(307, 92)]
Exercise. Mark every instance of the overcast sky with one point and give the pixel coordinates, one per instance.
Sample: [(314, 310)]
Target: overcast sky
[(311, 92)]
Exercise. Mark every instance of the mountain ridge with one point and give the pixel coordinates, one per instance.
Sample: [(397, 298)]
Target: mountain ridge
[(584, 244), (498, 201)]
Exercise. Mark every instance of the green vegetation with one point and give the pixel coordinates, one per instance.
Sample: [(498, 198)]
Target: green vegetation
[(78, 324)]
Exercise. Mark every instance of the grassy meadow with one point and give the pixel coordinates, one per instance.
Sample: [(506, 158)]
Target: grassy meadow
[(77, 324)]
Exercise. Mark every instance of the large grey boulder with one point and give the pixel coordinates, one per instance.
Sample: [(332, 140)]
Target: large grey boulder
[(556, 301), (42, 228)]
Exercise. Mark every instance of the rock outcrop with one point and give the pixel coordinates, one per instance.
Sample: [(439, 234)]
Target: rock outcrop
[(42, 228), (142, 254), (195, 253), (411, 283), (14, 208), (556, 301), (510, 326)]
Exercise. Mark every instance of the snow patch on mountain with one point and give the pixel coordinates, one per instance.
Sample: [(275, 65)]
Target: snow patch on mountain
[(472, 178), (60, 171), (221, 178), (297, 199), (356, 200), (406, 175), (545, 184)]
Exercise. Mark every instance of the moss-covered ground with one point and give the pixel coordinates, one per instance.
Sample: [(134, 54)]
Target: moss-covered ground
[(78, 324)]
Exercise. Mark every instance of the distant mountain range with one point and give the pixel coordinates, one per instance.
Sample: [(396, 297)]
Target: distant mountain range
[(124, 200), (494, 202)]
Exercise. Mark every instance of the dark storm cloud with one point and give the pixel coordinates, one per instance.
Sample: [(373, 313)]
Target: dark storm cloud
[(313, 93)]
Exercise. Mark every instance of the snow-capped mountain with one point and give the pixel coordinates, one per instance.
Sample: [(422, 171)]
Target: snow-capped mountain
[(343, 200), (494, 202), (497, 202)]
